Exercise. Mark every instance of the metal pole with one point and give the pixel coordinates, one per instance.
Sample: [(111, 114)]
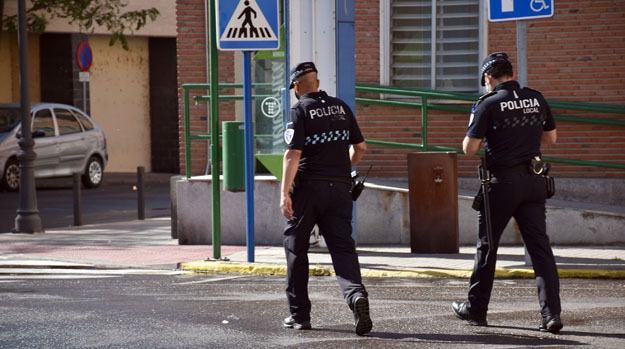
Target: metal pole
[(424, 123), (286, 94), (521, 55), (84, 97), (77, 199), (27, 219), (140, 193), (249, 153), (214, 127), (345, 70), (187, 132)]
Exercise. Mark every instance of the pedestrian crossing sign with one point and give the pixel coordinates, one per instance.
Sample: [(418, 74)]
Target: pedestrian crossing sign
[(248, 25)]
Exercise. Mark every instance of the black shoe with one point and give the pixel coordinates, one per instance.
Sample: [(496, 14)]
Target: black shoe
[(551, 324), (361, 316), (462, 312), (290, 322)]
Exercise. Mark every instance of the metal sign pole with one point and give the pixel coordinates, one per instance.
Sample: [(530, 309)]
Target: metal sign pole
[(249, 153), (521, 56), (84, 97), (521, 52), (247, 26), (214, 130)]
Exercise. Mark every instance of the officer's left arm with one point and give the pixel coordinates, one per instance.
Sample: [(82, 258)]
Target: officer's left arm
[(549, 135), (471, 145), (356, 139), (290, 164), (356, 152)]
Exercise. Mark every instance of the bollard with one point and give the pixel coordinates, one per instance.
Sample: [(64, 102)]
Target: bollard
[(140, 198), (77, 199)]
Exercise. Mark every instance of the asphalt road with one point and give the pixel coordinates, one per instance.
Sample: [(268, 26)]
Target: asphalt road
[(111, 202), (225, 311)]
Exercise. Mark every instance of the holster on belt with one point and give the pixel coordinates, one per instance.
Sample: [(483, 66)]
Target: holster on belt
[(541, 168)]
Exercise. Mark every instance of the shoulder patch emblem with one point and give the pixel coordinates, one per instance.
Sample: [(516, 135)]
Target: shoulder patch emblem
[(288, 135)]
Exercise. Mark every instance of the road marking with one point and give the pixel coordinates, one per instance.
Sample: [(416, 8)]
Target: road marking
[(212, 280), (16, 278)]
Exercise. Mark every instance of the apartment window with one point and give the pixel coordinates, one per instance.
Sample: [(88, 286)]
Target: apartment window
[(434, 44)]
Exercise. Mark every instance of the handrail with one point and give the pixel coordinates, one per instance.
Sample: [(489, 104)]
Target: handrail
[(429, 100), (204, 98), (426, 103)]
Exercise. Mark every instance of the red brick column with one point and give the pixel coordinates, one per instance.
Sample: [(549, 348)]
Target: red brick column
[(193, 68)]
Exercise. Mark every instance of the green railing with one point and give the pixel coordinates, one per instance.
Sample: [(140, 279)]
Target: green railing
[(186, 96), (426, 100), (433, 100)]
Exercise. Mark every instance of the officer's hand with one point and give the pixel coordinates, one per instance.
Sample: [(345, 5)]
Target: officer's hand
[(286, 205)]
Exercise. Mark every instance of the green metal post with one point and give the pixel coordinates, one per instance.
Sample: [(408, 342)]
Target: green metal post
[(424, 122), (187, 132), (214, 126)]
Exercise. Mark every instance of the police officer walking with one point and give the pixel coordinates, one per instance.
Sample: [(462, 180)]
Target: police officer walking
[(512, 122), (315, 189)]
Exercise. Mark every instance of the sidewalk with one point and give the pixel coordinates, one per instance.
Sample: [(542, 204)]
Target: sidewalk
[(148, 244)]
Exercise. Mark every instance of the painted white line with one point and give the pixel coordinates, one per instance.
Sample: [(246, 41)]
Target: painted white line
[(212, 280), (62, 271), (17, 278)]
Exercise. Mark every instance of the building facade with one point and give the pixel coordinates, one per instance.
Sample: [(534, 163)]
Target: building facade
[(131, 93), (578, 55)]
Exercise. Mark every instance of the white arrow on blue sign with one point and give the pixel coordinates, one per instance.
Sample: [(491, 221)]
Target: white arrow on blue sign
[(510, 10), (248, 25)]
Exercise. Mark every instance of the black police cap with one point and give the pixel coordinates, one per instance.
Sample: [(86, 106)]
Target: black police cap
[(491, 61), (301, 70)]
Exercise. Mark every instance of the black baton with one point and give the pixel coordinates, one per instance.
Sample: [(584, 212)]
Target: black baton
[(485, 182)]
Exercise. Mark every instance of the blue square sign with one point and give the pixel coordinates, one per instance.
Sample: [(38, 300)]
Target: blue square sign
[(510, 10), (248, 25)]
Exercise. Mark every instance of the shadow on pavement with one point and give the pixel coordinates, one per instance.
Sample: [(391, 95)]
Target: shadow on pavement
[(564, 332), (470, 339)]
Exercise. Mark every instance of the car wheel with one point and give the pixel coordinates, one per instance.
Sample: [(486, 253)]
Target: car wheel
[(94, 172), (11, 175)]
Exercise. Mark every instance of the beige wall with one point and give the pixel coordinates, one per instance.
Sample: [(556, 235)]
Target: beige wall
[(165, 24), (120, 101), (10, 68)]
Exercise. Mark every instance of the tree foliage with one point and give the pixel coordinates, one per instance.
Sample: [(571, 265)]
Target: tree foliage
[(87, 14)]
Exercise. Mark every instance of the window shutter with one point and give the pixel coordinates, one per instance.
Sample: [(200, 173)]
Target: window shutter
[(453, 66)]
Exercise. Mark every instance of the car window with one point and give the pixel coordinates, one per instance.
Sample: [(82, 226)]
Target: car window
[(67, 122), (86, 123), (42, 121), (9, 117)]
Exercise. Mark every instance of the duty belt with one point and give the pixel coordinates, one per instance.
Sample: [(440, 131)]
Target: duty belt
[(521, 168), (302, 180)]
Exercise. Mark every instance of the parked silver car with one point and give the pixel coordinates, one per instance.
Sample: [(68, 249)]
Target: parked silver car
[(66, 142)]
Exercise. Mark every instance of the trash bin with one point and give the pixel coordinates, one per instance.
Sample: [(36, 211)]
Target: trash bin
[(233, 156), (433, 200)]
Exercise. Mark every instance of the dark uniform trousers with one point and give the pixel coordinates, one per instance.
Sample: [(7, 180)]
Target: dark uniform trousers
[(520, 195), (329, 205)]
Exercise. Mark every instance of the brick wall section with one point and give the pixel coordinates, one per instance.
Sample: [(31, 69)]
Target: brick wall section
[(192, 68), (367, 28), (578, 55)]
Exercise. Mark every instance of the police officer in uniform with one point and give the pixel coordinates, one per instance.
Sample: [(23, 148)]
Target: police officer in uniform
[(315, 189), (512, 122)]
